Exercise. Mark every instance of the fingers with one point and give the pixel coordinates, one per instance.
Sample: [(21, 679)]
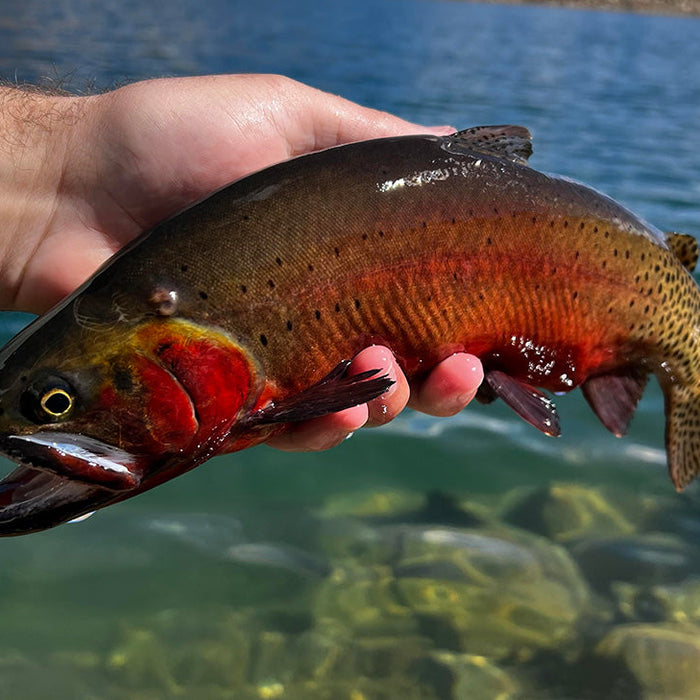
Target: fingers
[(321, 433), (389, 404), (449, 387), (317, 120)]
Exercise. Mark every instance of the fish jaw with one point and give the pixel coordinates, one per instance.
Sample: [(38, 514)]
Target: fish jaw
[(32, 500), (77, 457), (61, 477)]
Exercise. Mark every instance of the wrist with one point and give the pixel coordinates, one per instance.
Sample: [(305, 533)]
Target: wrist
[(37, 132)]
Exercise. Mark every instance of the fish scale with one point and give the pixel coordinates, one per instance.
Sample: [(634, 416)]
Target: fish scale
[(236, 318)]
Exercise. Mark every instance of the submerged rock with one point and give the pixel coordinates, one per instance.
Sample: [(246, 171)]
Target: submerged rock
[(664, 659), (394, 506), (473, 677), (644, 559), (373, 503), (493, 593), (671, 603), (566, 512)]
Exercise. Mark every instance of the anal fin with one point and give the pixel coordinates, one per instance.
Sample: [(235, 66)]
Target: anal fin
[(335, 392), (528, 402), (614, 398)]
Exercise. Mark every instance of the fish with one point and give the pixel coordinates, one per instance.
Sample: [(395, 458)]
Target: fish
[(238, 317)]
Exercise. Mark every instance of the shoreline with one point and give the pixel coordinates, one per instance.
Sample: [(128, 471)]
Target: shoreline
[(678, 8)]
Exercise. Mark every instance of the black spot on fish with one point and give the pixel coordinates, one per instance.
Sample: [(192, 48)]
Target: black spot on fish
[(278, 260), (357, 303), (337, 307), (263, 339), (337, 252), (203, 295), (311, 267), (364, 236), (244, 289), (271, 284), (123, 380), (317, 313), (183, 268), (289, 325), (381, 234)]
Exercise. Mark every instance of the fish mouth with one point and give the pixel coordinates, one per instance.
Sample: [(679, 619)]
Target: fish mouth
[(32, 500), (60, 478)]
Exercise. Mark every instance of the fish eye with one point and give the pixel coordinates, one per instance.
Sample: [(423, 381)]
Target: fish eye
[(57, 402), (47, 400)]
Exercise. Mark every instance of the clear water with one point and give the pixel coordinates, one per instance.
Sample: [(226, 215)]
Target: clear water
[(347, 574)]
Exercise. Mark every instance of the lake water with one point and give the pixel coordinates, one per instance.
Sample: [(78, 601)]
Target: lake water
[(468, 557)]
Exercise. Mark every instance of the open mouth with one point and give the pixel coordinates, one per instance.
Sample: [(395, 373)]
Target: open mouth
[(32, 500), (61, 477)]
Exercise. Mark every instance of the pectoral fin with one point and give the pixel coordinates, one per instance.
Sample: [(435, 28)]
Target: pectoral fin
[(335, 392), (528, 402), (614, 398)]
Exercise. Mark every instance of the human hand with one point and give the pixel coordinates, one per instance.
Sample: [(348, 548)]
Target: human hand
[(85, 175)]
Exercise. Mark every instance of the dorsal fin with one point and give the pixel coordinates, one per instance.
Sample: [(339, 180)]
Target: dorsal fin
[(685, 248), (504, 141)]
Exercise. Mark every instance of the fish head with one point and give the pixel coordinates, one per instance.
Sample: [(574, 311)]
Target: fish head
[(95, 413)]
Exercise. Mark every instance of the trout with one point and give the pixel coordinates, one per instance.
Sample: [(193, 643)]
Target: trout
[(236, 318)]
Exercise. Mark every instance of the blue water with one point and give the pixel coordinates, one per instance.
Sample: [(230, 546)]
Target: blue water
[(612, 99)]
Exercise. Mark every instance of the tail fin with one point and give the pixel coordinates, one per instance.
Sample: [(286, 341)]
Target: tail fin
[(682, 433)]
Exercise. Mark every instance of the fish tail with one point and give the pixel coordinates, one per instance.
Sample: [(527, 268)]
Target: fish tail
[(682, 433)]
